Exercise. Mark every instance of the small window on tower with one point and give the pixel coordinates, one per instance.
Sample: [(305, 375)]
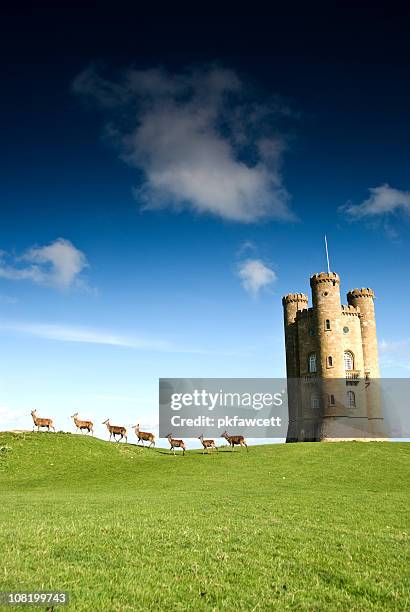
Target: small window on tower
[(330, 362), (314, 401), (312, 363), (351, 399), (332, 401), (348, 359), (327, 324)]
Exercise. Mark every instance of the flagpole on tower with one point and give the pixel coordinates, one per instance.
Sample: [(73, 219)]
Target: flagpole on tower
[(327, 256)]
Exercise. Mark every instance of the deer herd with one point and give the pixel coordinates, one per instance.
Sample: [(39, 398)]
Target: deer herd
[(143, 436)]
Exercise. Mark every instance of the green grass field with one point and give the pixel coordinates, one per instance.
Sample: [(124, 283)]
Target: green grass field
[(298, 526)]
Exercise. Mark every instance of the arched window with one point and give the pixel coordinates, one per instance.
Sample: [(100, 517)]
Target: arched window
[(351, 399), (327, 324), (330, 361), (312, 363), (314, 401), (349, 362)]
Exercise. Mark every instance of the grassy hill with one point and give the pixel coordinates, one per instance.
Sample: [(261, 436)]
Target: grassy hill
[(302, 526)]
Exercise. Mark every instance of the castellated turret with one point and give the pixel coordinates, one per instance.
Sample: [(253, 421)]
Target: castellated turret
[(331, 357), (363, 300)]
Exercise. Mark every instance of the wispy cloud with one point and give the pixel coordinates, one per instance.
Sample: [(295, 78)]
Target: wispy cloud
[(384, 200), (68, 333), (112, 397), (58, 265), (7, 299), (10, 418), (246, 247), (395, 353), (255, 275), (200, 140), (389, 346)]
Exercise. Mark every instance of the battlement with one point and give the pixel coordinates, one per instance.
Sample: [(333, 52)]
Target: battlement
[(294, 297), (304, 314), (359, 293), (350, 310), (324, 277)]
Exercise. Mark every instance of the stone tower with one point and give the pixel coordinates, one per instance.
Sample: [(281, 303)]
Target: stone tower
[(332, 363)]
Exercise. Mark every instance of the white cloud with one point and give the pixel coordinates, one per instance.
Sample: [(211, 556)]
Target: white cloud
[(200, 144), (246, 246), (58, 264), (383, 200), (67, 333), (394, 346), (395, 353), (109, 397), (10, 418), (7, 299), (255, 275)]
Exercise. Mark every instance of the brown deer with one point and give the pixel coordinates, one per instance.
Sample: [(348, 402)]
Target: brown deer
[(80, 425), (207, 444), (116, 430), (176, 444), (144, 435), (42, 422), (234, 440)]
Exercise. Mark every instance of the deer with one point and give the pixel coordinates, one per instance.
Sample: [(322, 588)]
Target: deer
[(176, 444), (207, 444), (80, 425), (234, 440), (144, 435), (38, 422), (116, 430)]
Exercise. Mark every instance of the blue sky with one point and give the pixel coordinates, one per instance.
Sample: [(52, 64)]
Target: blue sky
[(155, 211)]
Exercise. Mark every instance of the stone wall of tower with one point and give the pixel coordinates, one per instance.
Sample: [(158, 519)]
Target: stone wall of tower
[(352, 337), (327, 308), (307, 339), (363, 299), (292, 304)]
